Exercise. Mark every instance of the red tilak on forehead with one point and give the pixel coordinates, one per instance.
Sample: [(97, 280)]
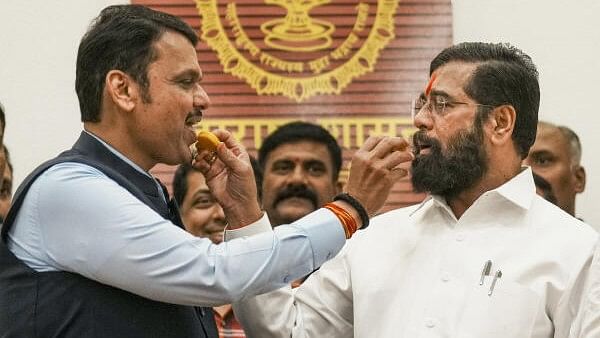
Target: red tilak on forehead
[(429, 85)]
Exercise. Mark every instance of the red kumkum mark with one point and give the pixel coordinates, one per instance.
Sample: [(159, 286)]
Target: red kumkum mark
[(429, 85)]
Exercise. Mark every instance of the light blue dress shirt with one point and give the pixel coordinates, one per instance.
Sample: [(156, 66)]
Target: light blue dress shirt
[(75, 218)]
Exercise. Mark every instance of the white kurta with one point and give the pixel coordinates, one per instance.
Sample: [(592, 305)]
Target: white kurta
[(416, 273)]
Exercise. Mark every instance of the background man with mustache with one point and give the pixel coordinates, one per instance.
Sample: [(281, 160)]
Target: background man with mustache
[(482, 256), (300, 164)]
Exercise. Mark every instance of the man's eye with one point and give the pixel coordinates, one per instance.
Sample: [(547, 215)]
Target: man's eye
[(187, 83), (282, 168), (543, 161), (316, 169), (439, 103), (205, 202)]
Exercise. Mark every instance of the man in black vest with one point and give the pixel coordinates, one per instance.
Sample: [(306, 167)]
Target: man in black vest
[(89, 249)]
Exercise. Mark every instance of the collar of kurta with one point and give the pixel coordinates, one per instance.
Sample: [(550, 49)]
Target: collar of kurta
[(519, 192)]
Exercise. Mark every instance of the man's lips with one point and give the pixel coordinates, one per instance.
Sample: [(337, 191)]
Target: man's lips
[(423, 150), (420, 148)]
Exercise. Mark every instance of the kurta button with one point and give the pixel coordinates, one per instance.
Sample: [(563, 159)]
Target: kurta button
[(460, 237), (429, 323), (445, 277)]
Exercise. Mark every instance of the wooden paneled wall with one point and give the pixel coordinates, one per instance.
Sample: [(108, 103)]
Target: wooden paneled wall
[(377, 101)]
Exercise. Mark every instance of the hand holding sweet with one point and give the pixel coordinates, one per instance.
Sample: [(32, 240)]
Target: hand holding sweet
[(375, 167), (230, 178)]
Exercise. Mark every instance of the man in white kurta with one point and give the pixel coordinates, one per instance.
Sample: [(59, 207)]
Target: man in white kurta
[(482, 257), (416, 273)]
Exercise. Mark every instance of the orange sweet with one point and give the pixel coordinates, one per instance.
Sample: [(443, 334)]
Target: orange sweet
[(207, 141)]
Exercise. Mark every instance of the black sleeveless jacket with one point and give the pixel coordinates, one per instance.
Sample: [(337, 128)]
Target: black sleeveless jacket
[(63, 304)]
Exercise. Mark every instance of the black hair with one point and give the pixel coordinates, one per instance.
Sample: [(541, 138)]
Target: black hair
[(180, 182), (122, 38), (300, 131), (2, 122), (258, 176), (7, 157), (504, 75), (2, 117)]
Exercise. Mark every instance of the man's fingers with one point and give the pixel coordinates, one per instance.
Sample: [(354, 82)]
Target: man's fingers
[(396, 157), (208, 163), (387, 145), (370, 143), (230, 141)]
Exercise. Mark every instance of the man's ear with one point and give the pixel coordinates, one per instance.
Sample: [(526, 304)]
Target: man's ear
[(122, 90), (502, 122), (579, 179)]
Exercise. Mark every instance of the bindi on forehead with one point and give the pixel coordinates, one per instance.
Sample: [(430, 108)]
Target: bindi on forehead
[(430, 84)]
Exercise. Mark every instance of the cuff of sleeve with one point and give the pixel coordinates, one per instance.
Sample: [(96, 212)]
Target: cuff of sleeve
[(325, 232), (262, 225)]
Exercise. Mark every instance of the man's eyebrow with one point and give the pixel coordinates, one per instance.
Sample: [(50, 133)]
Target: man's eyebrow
[(282, 160), (190, 72), (202, 192), (540, 152), (314, 160), (437, 92)]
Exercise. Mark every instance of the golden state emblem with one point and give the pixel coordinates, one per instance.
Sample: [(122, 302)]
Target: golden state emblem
[(297, 48)]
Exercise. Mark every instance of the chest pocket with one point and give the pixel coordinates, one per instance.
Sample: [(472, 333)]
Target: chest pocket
[(511, 311)]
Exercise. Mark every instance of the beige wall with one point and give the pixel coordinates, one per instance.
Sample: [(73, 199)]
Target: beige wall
[(38, 43), (38, 48)]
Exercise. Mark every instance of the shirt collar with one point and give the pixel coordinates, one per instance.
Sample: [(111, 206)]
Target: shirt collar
[(119, 155), (519, 190)]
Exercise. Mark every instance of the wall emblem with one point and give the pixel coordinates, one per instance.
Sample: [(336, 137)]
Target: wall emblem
[(294, 53)]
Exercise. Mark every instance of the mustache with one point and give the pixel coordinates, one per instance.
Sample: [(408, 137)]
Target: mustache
[(300, 191), (195, 116), (420, 140)]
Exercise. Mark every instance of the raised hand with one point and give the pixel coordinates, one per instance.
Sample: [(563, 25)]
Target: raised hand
[(230, 178), (375, 167)]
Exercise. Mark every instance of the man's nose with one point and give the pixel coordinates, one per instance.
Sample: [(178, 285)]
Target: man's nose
[(423, 120), (218, 212), (298, 175), (201, 99)]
